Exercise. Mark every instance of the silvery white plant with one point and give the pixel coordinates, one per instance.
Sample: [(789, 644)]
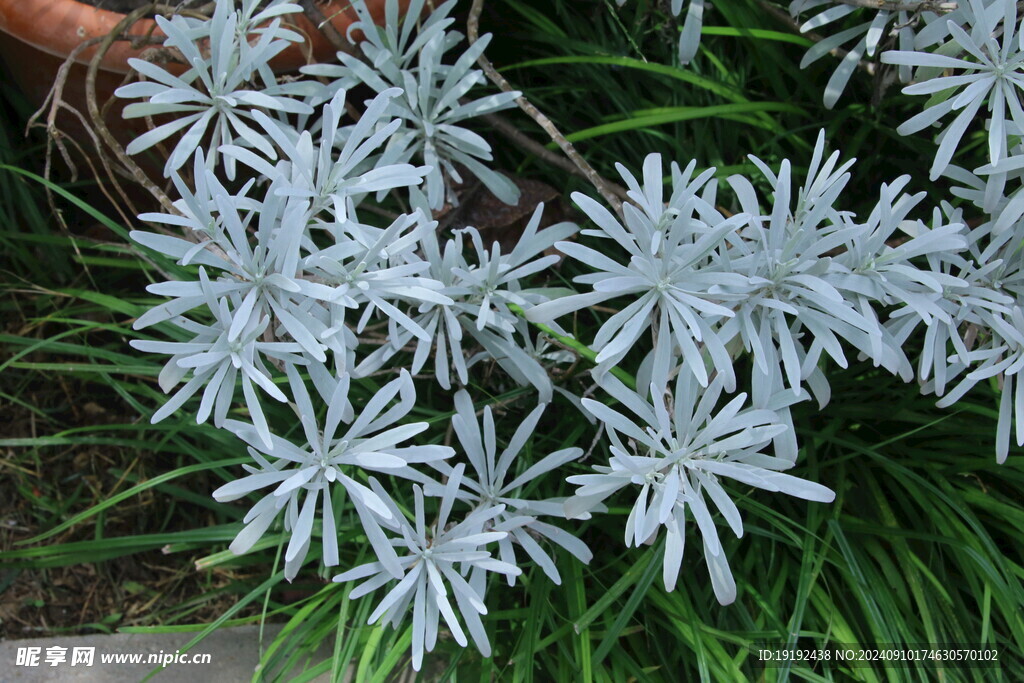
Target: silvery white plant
[(391, 48), (307, 296), (431, 103), (905, 26), (440, 322), (1002, 356), (480, 293), (359, 276), (323, 469), (287, 273), (217, 356), (673, 273), (964, 54), (964, 306), (497, 483), (317, 171), (787, 283), (228, 79), (792, 311), (985, 65), (886, 274), (432, 571), (676, 449), (264, 275), (996, 190), (544, 350), (874, 274), (395, 45), (869, 35), (977, 336)]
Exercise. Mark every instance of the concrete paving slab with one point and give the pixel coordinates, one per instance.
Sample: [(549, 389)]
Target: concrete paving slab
[(226, 656)]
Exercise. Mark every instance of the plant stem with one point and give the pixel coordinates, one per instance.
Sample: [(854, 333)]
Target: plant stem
[(579, 347)]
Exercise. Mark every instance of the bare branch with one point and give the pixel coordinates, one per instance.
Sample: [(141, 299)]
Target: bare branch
[(602, 185), (505, 127), (317, 18), (97, 118)]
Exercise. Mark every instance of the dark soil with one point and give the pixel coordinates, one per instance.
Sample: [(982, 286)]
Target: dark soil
[(42, 486), (137, 589)]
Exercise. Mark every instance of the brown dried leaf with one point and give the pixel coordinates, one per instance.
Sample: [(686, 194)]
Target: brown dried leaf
[(496, 220)]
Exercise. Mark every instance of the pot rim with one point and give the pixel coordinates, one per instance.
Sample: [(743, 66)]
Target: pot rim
[(57, 27)]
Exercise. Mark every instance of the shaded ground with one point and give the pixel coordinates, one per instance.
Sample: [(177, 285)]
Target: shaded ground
[(40, 486)]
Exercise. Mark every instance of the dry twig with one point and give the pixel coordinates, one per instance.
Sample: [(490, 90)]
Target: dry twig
[(528, 144), (100, 125), (603, 186), (321, 22)]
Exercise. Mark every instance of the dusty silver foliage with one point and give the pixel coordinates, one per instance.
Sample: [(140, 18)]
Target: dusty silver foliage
[(287, 275)]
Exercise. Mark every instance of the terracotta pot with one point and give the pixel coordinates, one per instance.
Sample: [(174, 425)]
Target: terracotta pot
[(40, 34), (57, 27)]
